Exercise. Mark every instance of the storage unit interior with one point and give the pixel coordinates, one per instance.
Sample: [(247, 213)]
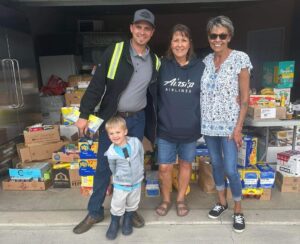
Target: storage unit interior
[(266, 30)]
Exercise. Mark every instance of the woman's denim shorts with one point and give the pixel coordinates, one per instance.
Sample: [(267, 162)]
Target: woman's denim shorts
[(167, 151)]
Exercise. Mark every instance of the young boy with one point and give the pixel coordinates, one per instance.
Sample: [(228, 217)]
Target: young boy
[(126, 161)]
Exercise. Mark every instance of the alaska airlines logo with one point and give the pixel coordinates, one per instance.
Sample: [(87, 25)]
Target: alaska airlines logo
[(179, 84), (176, 85)]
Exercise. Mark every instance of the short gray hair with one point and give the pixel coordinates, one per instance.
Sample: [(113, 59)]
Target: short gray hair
[(220, 21)]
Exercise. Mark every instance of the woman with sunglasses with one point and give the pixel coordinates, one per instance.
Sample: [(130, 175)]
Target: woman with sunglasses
[(226, 77)]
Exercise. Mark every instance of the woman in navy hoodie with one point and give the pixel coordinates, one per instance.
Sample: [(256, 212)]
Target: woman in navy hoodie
[(178, 116)]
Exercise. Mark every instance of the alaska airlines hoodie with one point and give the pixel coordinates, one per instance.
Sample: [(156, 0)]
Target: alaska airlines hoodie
[(179, 100)]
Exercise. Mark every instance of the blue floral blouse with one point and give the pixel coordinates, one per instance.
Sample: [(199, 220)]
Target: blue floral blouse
[(219, 91)]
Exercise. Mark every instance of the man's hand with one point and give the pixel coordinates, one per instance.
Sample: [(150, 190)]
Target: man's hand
[(82, 125)]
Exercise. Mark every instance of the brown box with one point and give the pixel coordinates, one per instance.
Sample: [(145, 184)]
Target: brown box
[(206, 180), (287, 183), (42, 136), (64, 157), (74, 98), (37, 152), (9, 185), (257, 113), (75, 179), (74, 79)]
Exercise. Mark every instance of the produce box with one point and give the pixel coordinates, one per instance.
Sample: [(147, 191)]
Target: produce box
[(257, 113), (42, 136), (10, 185), (38, 152)]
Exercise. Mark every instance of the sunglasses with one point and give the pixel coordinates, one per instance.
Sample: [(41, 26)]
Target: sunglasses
[(213, 36)]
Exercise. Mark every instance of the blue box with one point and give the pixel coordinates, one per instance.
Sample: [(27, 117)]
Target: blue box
[(33, 171), (267, 176), (202, 150)]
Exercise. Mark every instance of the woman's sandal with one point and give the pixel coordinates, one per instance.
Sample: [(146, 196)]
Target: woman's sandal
[(163, 208), (182, 208)]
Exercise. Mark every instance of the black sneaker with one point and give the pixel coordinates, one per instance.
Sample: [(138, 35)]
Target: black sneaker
[(217, 210), (238, 222)]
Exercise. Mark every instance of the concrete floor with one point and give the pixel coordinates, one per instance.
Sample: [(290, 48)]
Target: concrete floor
[(36, 215)]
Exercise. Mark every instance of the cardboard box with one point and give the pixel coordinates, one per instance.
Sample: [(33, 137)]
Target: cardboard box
[(8, 185), (206, 180), (250, 177), (38, 152), (75, 80), (287, 183), (289, 162), (87, 181), (61, 178), (267, 176), (70, 132), (64, 157), (278, 74), (32, 171), (87, 148), (75, 179), (74, 98), (257, 113), (66, 178), (262, 100), (42, 136)]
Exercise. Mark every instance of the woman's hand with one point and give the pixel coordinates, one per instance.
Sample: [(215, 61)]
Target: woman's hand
[(237, 137)]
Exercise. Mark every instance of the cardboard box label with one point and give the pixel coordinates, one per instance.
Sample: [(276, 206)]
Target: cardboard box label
[(268, 113)]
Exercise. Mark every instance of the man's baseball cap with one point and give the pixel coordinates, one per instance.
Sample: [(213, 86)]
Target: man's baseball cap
[(144, 15)]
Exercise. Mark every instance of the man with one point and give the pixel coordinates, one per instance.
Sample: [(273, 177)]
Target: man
[(125, 83)]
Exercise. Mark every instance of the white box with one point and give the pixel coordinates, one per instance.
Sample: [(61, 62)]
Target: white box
[(289, 162)]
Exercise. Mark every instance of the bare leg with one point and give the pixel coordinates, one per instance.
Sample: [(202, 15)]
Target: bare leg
[(165, 175), (184, 176), (237, 207), (222, 197)]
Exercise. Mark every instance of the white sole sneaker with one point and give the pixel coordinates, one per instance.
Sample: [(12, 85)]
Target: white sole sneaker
[(215, 217), (238, 231)]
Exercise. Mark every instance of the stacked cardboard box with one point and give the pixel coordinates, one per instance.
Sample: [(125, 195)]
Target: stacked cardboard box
[(287, 183), (32, 177)]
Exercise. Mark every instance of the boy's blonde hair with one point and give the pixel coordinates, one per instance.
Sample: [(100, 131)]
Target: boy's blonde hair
[(116, 121)]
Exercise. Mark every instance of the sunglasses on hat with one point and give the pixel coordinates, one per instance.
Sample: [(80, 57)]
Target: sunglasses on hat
[(213, 36)]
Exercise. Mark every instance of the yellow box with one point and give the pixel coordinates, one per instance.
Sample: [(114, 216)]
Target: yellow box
[(87, 181), (85, 146), (84, 163)]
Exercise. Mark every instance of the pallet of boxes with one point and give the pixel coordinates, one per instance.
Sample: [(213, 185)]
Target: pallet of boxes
[(34, 170)]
